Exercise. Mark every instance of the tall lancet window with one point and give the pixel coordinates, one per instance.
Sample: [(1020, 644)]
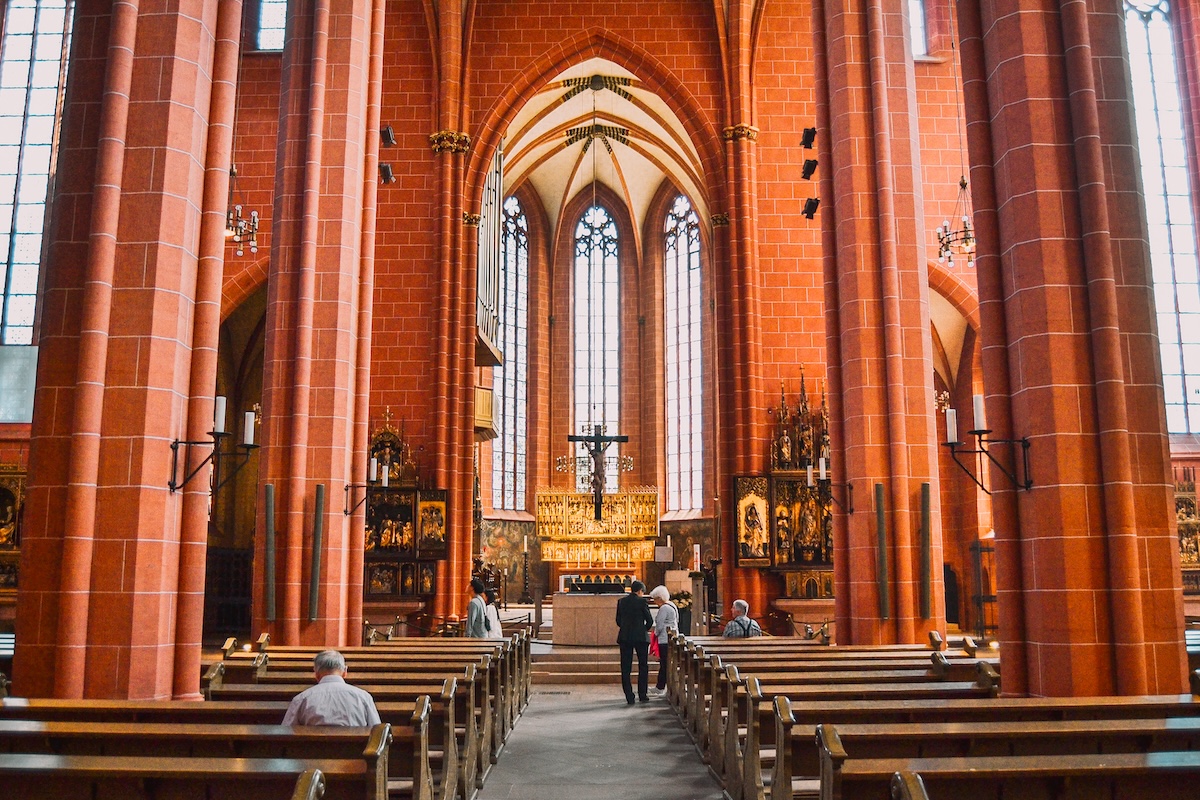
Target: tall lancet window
[(33, 70), (1168, 206), (681, 277), (597, 379), (272, 20), (509, 448)]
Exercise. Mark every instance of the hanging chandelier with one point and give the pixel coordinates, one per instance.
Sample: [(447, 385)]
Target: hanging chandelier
[(958, 240), (242, 230)]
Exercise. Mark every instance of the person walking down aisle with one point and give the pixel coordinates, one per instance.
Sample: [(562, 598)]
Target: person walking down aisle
[(634, 623), (491, 617), (476, 611), (332, 701), (665, 622)]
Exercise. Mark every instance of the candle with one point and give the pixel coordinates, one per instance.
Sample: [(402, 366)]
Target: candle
[(386, 474), (248, 429), (219, 414), (374, 473), (951, 426), (526, 545), (821, 464), (695, 558), (980, 420), (810, 480)]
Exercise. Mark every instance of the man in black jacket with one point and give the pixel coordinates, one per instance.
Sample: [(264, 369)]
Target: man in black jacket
[(634, 623)]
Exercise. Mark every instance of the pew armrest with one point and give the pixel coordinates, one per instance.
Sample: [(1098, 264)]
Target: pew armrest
[(310, 786), (970, 647), (264, 641), (230, 647), (935, 641), (213, 678), (987, 677), (908, 786)]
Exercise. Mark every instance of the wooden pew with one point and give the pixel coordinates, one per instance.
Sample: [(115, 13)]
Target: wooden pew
[(399, 763), (796, 762), (447, 780), (461, 755), (1170, 775), (735, 755), (37, 775)]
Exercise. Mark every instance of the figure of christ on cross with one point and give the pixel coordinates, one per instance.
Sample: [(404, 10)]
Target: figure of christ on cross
[(596, 443)]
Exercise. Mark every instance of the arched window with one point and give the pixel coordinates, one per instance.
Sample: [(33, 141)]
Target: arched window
[(597, 379), (272, 18), (512, 394), (36, 42), (1168, 206), (682, 359)]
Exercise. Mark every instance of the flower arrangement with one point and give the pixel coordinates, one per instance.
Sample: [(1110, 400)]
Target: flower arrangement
[(682, 600)]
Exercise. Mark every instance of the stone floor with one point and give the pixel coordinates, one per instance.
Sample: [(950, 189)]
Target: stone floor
[(579, 742)]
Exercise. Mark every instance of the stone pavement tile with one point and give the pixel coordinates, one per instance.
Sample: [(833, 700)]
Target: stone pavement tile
[(584, 742)]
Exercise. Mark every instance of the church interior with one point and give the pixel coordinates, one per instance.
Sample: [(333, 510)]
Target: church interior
[(881, 315)]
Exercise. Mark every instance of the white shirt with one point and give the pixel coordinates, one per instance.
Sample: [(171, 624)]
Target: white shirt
[(332, 702), (493, 617)]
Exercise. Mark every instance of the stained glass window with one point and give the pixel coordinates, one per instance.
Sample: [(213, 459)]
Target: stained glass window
[(32, 74), (682, 360), (511, 386), (1169, 213), (597, 377)]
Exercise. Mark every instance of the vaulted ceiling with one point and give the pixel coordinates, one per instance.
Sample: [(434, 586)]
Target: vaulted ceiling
[(622, 135)]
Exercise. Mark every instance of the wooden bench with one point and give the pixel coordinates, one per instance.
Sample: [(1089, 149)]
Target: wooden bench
[(793, 756), (1170, 775), (461, 755), (38, 775), (410, 725), (735, 721)]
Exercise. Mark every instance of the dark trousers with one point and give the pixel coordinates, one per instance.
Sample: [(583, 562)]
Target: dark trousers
[(663, 666), (627, 651)]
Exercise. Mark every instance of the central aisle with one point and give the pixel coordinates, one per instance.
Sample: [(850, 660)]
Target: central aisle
[(586, 743)]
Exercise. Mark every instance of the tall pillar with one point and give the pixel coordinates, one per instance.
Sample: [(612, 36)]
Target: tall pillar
[(311, 383), (101, 557), (1088, 572), (877, 292), (745, 438)]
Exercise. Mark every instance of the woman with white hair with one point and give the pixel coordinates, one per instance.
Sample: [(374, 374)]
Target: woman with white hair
[(667, 620), (741, 626)]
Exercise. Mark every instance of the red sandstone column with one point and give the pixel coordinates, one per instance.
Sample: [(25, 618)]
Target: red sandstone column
[(311, 372), (1087, 555), (117, 359), (881, 312), (193, 537)]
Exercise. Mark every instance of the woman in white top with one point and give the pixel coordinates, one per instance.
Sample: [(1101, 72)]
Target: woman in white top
[(667, 620), (491, 617)]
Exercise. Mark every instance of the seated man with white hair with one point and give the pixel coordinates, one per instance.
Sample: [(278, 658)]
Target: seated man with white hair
[(741, 626), (332, 701)]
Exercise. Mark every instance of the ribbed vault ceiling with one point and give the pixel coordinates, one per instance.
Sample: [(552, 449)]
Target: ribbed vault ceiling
[(656, 146)]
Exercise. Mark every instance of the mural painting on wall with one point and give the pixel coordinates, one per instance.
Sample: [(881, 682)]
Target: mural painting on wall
[(12, 503), (1189, 527), (750, 502), (501, 544), (405, 531), (685, 535)]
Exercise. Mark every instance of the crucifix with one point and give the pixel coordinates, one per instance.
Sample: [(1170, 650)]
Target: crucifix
[(596, 443)]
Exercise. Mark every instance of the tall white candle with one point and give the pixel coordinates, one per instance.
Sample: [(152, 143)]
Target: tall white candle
[(980, 419), (668, 540), (526, 547), (248, 429), (386, 474), (821, 464), (374, 473), (695, 558), (810, 480), (219, 414), (951, 426)]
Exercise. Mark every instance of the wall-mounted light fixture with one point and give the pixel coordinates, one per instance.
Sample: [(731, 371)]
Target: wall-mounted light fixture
[(810, 166), (385, 174), (388, 136), (808, 138), (810, 207)]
